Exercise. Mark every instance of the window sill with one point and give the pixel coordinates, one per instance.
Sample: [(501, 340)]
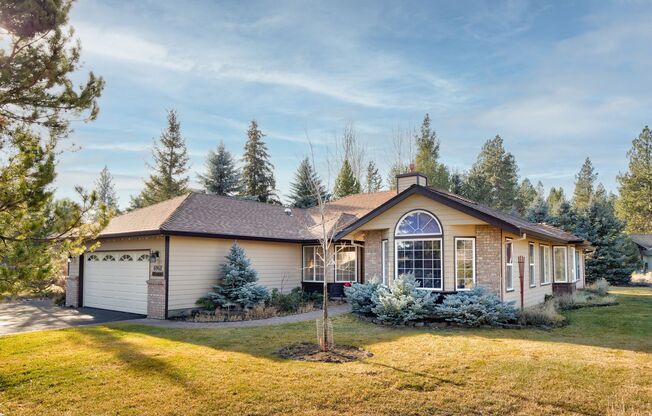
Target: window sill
[(533, 286), (546, 284), (509, 290)]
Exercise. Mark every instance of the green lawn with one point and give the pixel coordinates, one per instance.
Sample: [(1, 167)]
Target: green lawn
[(600, 364)]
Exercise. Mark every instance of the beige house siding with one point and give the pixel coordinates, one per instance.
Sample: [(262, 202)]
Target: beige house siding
[(195, 265), (454, 224)]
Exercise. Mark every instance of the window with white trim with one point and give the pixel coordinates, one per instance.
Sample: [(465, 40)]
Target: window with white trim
[(573, 264), (560, 264), (464, 263), (532, 264), (578, 265), (545, 264), (417, 252), (313, 264), (509, 265), (346, 264), (384, 260)]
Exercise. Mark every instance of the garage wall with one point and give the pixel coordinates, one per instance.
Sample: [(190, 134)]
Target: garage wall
[(195, 265)]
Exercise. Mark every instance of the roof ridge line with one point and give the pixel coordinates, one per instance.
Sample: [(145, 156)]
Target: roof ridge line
[(169, 217)]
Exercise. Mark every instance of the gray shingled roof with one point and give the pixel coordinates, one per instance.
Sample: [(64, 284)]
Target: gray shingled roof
[(642, 240), (219, 216)]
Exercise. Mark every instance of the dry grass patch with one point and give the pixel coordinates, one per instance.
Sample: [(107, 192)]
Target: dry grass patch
[(601, 363)]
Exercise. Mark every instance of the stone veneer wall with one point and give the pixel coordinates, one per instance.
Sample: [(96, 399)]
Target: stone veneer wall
[(489, 257), (156, 298), (373, 255), (72, 283)]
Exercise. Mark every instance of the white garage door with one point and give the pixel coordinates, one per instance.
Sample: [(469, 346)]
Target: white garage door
[(116, 280)]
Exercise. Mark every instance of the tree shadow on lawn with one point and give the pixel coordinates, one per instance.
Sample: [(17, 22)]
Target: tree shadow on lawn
[(109, 340)]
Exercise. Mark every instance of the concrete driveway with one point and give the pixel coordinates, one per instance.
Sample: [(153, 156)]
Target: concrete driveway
[(37, 315)]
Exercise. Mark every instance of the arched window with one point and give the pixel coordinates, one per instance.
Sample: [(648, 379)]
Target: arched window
[(143, 257), (418, 223), (418, 248), (126, 257), (93, 257), (108, 257)]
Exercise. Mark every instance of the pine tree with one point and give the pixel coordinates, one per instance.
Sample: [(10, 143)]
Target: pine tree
[(635, 186), (306, 185), (525, 197), (457, 184), (427, 157), (584, 186), (41, 92), (170, 177), (105, 190), (258, 171), (395, 169), (566, 218), (493, 179), (346, 183), (373, 178), (237, 288), (538, 211), (222, 176), (555, 198), (614, 258)]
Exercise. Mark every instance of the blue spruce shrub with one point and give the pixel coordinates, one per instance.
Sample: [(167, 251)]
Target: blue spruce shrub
[(403, 302), (238, 287), (360, 297), (476, 307)]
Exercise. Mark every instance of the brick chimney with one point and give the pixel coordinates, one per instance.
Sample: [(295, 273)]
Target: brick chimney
[(405, 180)]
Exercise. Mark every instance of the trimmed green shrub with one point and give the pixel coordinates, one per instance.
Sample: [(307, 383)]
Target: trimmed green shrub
[(360, 297), (474, 308), (403, 301), (296, 299), (238, 287), (545, 315)]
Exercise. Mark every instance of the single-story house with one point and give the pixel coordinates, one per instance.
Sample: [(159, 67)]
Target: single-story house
[(644, 244), (157, 261)]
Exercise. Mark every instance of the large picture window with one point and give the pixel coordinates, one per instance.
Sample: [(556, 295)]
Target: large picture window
[(417, 252), (560, 264), (531, 265), (313, 264), (509, 265), (464, 263), (345, 264), (421, 258), (544, 266)]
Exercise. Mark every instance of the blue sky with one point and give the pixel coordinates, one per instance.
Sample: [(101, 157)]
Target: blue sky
[(559, 81)]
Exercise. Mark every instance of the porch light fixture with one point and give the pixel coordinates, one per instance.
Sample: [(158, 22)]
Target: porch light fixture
[(153, 257)]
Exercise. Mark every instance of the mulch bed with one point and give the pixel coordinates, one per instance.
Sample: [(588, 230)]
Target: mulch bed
[(307, 351)]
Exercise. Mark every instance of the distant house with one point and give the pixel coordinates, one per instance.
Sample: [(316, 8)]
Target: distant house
[(159, 260), (644, 244)]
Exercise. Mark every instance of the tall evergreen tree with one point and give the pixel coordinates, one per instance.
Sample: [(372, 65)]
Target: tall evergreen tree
[(395, 169), (538, 210), (457, 184), (170, 176), (584, 182), (525, 197), (427, 157), (495, 175), (555, 198), (374, 182), (346, 183), (635, 203), (614, 258), (306, 187), (40, 93), (105, 189), (257, 172), (222, 176), (566, 218)]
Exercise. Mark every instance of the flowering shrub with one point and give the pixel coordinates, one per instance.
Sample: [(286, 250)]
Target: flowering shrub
[(402, 302), (359, 296), (474, 308)]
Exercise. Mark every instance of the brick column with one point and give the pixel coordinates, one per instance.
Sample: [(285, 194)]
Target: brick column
[(156, 298), (72, 291), (372, 255), (488, 257)]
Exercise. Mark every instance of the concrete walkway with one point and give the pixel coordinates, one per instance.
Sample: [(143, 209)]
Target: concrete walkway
[(42, 314), (332, 311)]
